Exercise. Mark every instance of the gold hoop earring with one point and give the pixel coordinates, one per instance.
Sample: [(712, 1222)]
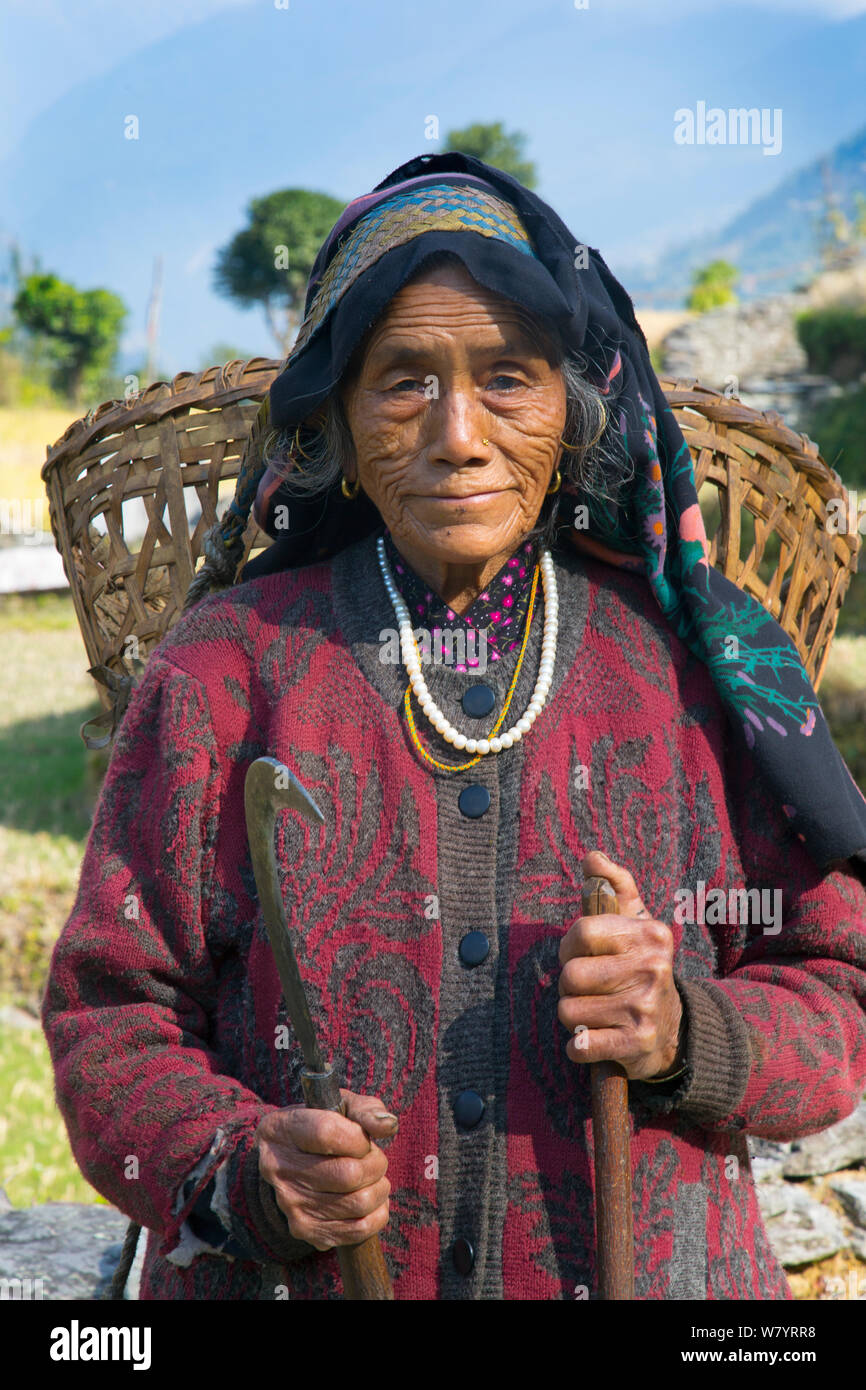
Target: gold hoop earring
[(578, 448), (594, 441), (296, 446), (558, 476), (347, 489)]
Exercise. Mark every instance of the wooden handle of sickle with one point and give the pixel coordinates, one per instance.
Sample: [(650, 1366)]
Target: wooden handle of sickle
[(614, 1215), (363, 1268)]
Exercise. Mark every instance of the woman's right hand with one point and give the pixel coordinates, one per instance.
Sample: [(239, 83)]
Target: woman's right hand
[(327, 1173)]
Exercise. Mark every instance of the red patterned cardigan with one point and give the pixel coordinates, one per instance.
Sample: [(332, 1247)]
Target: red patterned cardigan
[(163, 1006)]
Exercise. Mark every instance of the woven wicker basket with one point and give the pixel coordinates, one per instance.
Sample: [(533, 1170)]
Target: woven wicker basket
[(184, 441)]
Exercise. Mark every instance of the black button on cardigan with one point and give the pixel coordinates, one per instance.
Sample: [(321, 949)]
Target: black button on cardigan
[(468, 1109), (474, 800), (463, 1256), (477, 701), (474, 948)]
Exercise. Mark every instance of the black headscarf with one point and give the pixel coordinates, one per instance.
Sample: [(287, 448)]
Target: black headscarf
[(514, 244)]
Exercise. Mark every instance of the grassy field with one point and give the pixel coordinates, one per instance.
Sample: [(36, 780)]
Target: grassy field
[(48, 791), (45, 775), (24, 435), (36, 1164)]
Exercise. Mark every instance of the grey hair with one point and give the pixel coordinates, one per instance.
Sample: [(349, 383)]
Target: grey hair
[(312, 460)]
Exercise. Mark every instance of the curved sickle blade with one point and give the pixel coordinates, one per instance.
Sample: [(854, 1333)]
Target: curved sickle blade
[(268, 788)]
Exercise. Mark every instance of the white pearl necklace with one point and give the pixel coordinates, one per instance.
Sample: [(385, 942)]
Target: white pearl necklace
[(412, 662)]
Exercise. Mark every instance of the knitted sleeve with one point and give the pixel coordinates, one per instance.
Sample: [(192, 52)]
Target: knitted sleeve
[(132, 986), (776, 1039)]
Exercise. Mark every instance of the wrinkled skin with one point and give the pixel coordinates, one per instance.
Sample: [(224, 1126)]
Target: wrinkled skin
[(616, 984), (445, 333), (327, 1170)]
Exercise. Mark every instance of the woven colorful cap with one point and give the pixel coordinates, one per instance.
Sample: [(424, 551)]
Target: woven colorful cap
[(434, 207), (382, 240)]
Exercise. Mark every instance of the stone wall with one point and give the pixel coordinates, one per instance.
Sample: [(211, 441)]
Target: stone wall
[(751, 351), (61, 1250)]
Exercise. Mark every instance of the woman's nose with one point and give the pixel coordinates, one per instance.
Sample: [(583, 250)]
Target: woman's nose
[(458, 424)]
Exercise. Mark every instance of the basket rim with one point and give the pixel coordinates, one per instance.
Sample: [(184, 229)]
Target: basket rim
[(767, 425), (232, 381), (240, 377)]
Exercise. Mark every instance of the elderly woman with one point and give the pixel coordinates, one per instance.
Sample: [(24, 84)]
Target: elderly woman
[(467, 448)]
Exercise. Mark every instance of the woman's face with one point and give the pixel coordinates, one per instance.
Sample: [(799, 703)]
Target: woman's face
[(456, 416)]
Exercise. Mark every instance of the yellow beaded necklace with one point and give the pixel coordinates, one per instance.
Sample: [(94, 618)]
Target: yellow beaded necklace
[(453, 767)]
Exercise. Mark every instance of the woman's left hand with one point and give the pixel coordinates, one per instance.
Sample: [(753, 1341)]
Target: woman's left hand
[(617, 986)]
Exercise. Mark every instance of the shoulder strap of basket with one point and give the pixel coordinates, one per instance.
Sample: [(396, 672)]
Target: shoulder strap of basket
[(223, 543), (120, 688)]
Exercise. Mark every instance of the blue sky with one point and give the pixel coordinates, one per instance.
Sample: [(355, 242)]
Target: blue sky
[(238, 98)]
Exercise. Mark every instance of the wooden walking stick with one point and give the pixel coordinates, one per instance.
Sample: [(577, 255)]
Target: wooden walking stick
[(614, 1216), (268, 787)]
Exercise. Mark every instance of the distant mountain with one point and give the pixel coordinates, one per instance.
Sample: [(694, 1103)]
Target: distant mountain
[(332, 94), (774, 242)]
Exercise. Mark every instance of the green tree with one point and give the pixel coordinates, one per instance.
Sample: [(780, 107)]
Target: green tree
[(269, 261), (492, 143), (712, 286), (79, 329), (834, 339)]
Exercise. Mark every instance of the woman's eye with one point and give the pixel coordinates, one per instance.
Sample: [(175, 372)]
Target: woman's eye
[(406, 385), (510, 382)]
